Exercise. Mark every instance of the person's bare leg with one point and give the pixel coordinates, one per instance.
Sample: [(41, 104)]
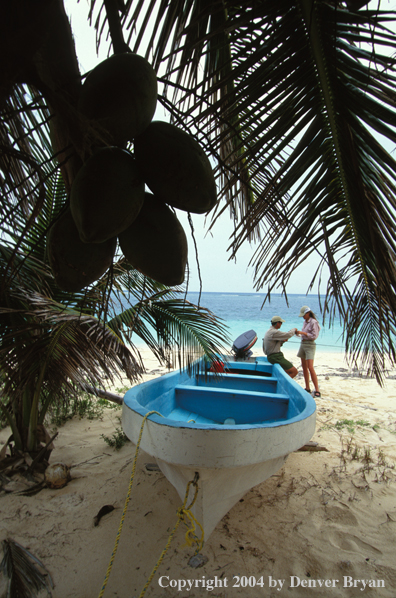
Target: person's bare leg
[(305, 369), (314, 378), (292, 372)]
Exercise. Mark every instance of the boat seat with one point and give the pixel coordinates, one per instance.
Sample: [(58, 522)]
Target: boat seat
[(219, 404), (239, 381), (258, 369)]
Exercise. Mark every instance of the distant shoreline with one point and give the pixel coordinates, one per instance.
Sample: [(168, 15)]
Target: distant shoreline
[(257, 294), (292, 346), (244, 311)]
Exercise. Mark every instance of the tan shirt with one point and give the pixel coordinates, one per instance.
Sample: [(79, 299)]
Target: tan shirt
[(274, 339)]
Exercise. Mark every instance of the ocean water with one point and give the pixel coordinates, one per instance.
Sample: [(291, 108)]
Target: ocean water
[(245, 311)]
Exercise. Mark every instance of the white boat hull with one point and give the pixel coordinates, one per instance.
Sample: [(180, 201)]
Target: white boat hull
[(218, 489), (230, 459)]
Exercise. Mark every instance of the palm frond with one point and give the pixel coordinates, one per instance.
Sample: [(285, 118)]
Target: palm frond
[(308, 86), (344, 182), (289, 99), (25, 149), (174, 329), (74, 347), (19, 566)]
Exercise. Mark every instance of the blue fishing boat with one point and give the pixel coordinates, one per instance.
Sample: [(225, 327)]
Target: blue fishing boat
[(230, 424)]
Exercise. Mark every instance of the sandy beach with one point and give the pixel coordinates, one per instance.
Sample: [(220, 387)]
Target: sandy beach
[(323, 526)]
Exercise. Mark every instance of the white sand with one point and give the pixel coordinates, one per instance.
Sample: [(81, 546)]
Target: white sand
[(325, 516)]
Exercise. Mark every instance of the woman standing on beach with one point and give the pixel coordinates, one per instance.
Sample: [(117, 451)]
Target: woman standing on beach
[(309, 333)]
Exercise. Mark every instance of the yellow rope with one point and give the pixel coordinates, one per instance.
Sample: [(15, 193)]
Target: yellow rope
[(193, 520), (126, 503), (190, 535), (181, 512)]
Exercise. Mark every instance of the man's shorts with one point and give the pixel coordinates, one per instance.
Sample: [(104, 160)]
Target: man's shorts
[(280, 359), (307, 350)]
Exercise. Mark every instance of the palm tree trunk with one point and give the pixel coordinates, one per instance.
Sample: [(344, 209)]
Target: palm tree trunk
[(14, 428)]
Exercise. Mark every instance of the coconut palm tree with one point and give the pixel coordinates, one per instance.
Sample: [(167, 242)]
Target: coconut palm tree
[(54, 342), (52, 346), (294, 100)]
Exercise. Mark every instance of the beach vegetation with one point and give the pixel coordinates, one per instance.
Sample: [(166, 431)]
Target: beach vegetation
[(367, 457), (350, 425), (108, 404), (117, 439), (370, 463), (121, 390), (81, 405), (355, 453), (366, 453)]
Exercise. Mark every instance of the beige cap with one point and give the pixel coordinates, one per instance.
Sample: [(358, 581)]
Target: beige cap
[(276, 319), (304, 310)]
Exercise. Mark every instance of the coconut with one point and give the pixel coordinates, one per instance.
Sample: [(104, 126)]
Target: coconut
[(106, 195), (175, 168), (75, 264), (120, 94), (156, 244), (57, 475)]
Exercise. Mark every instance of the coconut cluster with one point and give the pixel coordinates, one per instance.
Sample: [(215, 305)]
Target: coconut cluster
[(108, 198)]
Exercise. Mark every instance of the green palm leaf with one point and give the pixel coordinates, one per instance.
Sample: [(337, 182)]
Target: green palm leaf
[(311, 87), (173, 328), (290, 99), (25, 579), (54, 342)]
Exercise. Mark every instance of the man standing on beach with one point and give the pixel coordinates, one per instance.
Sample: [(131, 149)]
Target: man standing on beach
[(272, 342)]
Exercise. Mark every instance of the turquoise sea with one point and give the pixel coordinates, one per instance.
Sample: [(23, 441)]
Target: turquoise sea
[(245, 311)]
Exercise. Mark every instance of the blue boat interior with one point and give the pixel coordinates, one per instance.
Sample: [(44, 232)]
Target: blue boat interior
[(247, 393)]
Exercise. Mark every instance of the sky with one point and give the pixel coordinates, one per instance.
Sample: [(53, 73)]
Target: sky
[(216, 272)]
